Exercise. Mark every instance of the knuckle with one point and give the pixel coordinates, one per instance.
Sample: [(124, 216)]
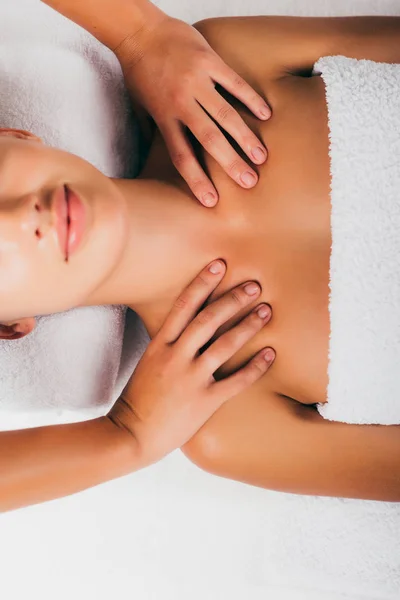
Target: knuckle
[(181, 302), (234, 339), (247, 378), (191, 292), (252, 372), (234, 167), (208, 138), (205, 317), (180, 159), (239, 82), (178, 98), (204, 61), (249, 141), (197, 185), (201, 281), (244, 379), (168, 358), (189, 75), (258, 366), (209, 362), (225, 113), (238, 297)]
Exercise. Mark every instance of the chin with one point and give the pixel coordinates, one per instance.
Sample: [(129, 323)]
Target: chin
[(107, 238)]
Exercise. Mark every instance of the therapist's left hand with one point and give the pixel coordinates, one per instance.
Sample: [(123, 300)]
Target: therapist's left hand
[(171, 70)]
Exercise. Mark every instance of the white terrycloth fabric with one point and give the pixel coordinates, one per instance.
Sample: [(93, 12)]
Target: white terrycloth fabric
[(363, 99), (60, 83)]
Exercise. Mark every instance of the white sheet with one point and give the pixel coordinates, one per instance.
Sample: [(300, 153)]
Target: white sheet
[(174, 532)]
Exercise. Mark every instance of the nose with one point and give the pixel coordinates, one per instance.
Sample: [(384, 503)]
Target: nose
[(25, 215)]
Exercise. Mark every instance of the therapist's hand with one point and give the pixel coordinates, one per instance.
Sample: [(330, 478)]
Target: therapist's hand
[(171, 70), (173, 392)]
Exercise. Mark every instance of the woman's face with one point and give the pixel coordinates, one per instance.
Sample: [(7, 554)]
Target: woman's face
[(38, 224)]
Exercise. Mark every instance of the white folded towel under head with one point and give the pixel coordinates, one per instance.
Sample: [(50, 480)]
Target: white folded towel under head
[(58, 82), (363, 100)]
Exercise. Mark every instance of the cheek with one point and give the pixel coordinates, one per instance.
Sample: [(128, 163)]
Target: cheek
[(31, 286), (14, 270)]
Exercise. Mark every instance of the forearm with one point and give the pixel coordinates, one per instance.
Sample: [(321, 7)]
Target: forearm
[(45, 463), (110, 21)]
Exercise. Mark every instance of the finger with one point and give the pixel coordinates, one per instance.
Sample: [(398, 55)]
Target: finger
[(189, 302), (224, 390), (206, 323), (186, 163), (238, 87), (216, 144), (229, 119), (228, 344)]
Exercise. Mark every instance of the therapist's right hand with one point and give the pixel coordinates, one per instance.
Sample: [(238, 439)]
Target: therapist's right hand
[(172, 392)]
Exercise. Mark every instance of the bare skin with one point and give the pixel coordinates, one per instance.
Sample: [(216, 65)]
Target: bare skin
[(279, 235), (279, 232), (149, 237)]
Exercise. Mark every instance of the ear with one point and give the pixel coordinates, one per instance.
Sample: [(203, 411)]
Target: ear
[(15, 330), (19, 133)]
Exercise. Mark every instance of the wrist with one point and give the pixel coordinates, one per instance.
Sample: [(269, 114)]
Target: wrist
[(111, 21), (139, 444), (134, 44), (125, 448)]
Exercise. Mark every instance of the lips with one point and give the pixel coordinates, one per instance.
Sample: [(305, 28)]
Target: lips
[(70, 220)]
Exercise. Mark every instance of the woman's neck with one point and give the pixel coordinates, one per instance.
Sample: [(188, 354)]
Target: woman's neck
[(171, 237)]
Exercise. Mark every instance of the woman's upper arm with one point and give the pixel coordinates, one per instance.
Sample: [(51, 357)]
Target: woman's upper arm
[(272, 442), (282, 45)]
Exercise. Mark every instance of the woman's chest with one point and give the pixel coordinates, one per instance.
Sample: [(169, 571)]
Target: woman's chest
[(279, 235), (294, 278), (285, 243)]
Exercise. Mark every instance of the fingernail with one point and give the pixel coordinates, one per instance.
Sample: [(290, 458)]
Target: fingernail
[(269, 355), (216, 267), (248, 179), (265, 111), (259, 154), (263, 311), (209, 199), (251, 289)]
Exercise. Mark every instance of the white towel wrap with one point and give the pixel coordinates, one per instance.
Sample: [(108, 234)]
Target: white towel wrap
[(363, 99)]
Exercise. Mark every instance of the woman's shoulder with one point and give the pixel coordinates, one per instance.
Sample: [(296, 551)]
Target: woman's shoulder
[(291, 45), (244, 44)]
